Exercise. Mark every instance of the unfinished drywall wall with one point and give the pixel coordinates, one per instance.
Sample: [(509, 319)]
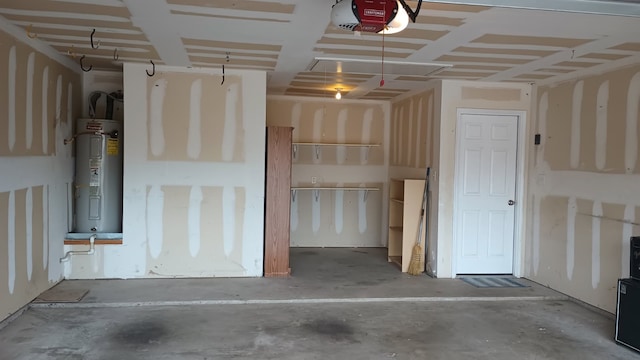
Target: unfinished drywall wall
[(413, 138), (193, 177), (584, 184), (467, 95), (39, 99), (327, 136)]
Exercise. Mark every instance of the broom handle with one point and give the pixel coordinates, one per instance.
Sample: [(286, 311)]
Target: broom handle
[(424, 198)]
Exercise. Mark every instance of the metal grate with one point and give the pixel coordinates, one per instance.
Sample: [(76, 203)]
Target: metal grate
[(493, 282)]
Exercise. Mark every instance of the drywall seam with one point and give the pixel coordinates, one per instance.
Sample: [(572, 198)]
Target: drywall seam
[(543, 108), (536, 234), (230, 123), (11, 133), (430, 114), (341, 151), (410, 120), (367, 123), (11, 230), (627, 232), (45, 226), (318, 118), (294, 213), (631, 139), (400, 136), (155, 211), (229, 218), (595, 244), (315, 211), (45, 110), (194, 142), (396, 136), (70, 103), (29, 99), (156, 129), (29, 231), (572, 210), (576, 117), (602, 107), (419, 132), (58, 99), (194, 218), (339, 210), (362, 212)]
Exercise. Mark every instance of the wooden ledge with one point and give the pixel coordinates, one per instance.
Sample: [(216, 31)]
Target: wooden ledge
[(96, 242)]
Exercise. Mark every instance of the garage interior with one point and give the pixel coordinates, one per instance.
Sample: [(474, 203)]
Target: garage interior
[(273, 167)]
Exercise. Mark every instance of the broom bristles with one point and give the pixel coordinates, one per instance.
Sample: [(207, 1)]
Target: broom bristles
[(416, 265)]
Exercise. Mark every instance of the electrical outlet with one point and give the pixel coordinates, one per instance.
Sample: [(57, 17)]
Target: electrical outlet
[(314, 179)]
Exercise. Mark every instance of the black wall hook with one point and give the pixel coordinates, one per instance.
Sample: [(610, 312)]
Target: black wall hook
[(82, 65), (222, 75), (153, 72), (92, 44)]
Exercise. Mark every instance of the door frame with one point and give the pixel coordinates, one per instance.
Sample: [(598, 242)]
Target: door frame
[(521, 167)]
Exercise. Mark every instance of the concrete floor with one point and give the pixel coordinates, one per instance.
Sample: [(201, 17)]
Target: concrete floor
[(293, 319)]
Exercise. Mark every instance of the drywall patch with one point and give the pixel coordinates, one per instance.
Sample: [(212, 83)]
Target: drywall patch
[(339, 211), (58, 99), (29, 231), (70, 103), (491, 94), (45, 108), (631, 141), (602, 108), (315, 212), (156, 129), (45, 226), (229, 218), (29, 99), (294, 213), (572, 210), (194, 144), (230, 118), (576, 117), (155, 211), (595, 243), (362, 211), (627, 232), (367, 123), (400, 136), (318, 119), (341, 151), (11, 233), (430, 115), (11, 106), (536, 234), (194, 216), (296, 115)]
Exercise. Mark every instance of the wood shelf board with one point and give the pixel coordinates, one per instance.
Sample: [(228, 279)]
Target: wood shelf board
[(396, 228), (96, 242), (399, 201), (335, 144)]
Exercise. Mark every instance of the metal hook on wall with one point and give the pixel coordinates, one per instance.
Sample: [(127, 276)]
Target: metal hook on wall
[(223, 75), (153, 72), (92, 44), (115, 54), (82, 65)]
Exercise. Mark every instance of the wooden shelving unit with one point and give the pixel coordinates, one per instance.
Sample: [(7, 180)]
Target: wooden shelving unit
[(405, 204)]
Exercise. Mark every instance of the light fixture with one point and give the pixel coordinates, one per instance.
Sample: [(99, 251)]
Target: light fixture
[(338, 94), (399, 23)]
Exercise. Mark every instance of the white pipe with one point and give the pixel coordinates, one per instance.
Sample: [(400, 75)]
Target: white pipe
[(91, 251)]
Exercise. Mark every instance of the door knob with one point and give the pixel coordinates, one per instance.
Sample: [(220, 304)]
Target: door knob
[(511, 203)]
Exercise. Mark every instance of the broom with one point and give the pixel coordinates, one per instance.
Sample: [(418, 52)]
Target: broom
[(416, 265)]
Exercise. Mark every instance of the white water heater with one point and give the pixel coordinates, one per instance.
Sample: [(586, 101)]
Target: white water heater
[(98, 180)]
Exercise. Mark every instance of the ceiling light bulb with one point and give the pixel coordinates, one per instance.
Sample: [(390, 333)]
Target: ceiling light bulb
[(399, 22), (338, 95)]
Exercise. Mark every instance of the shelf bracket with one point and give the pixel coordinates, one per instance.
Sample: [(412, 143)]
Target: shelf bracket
[(366, 194), (366, 154), (317, 152), (293, 195), (295, 151), (316, 195)]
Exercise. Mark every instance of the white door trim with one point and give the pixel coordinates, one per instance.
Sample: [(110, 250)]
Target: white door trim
[(521, 166)]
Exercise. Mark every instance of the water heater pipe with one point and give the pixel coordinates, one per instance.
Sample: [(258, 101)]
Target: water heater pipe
[(91, 251)]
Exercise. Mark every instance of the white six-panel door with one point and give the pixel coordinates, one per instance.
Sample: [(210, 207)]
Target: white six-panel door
[(485, 186)]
